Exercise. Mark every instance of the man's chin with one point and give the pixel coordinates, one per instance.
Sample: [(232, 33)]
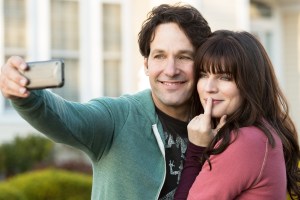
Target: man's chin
[(175, 103), (173, 99)]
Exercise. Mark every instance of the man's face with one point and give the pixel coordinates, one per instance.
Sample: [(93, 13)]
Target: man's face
[(170, 67)]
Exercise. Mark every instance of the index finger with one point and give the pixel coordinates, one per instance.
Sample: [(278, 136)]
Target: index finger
[(11, 72), (208, 106), (17, 62)]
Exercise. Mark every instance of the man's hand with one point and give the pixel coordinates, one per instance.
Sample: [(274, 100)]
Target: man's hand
[(200, 130), (12, 83)]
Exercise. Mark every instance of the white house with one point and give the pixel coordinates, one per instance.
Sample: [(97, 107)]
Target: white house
[(98, 41)]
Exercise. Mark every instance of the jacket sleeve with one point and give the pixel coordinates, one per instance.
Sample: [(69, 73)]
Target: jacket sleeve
[(237, 168), (192, 167), (88, 126)]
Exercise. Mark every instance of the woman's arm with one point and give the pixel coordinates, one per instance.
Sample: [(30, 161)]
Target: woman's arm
[(245, 169), (192, 167)]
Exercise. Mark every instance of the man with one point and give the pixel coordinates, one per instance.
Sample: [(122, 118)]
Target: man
[(136, 142)]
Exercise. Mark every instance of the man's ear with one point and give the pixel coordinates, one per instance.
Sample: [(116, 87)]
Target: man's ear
[(146, 66)]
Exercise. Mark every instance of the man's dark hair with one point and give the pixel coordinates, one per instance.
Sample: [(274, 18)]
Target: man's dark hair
[(186, 17)]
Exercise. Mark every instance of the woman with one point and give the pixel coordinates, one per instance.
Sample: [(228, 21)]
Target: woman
[(252, 150)]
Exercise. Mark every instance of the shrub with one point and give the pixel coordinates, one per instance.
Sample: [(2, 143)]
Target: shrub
[(22, 154), (7, 192), (52, 184)]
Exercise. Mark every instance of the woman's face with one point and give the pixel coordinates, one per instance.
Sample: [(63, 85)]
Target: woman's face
[(226, 97)]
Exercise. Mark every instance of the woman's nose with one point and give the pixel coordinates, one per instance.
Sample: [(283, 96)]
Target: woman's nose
[(211, 85)]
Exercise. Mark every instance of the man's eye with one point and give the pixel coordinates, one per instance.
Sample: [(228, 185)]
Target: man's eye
[(159, 56), (184, 58)]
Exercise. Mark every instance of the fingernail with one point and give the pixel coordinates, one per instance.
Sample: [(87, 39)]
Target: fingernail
[(23, 66), (23, 81), (22, 90)]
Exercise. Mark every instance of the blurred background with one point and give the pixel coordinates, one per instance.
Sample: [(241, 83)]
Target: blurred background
[(98, 41)]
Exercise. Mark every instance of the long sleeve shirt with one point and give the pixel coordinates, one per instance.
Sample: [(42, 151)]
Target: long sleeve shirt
[(250, 168), (122, 136), (191, 169)]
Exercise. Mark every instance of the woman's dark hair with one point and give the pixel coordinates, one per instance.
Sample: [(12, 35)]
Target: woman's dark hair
[(186, 17), (242, 56)]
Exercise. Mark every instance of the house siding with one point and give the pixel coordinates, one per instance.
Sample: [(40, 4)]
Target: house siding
[(291, 63)]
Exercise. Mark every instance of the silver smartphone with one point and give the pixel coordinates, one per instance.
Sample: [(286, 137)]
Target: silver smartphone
[(45, 74)]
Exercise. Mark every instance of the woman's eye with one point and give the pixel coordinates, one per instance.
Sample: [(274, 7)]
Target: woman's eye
[(226, 77), (202, 75)]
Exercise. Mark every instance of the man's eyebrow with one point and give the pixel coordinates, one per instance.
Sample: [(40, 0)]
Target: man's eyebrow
[(191, 52), (158, 51), (186, 52)]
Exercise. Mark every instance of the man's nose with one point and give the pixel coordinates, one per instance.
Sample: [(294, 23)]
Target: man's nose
[(171, 67)]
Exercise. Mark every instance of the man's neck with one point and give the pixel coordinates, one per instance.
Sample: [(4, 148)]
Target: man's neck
[(180, 113)]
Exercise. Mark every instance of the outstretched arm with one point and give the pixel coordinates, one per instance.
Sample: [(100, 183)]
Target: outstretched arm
[(63, 121)]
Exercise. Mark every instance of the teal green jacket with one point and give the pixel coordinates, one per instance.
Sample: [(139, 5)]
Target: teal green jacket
[(122, 136)]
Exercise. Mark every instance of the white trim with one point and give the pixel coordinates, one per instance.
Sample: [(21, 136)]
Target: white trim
[(162, 149), (159, 140), (91, 67), (2, 33), (127, 77), (38, 29), (114, 1), (242, 14), (2, 55)]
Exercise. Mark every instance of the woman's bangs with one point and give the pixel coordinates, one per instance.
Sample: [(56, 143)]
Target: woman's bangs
[(218, 60)]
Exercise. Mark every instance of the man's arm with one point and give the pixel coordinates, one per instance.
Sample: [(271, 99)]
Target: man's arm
[(75, 124)]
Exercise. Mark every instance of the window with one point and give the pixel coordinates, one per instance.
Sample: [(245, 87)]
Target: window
[(14, 31), (15, 26), (65, 44), (260, 10), (262, 24), (112, 48)]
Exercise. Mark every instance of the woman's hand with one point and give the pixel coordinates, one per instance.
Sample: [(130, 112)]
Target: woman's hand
[(200, 130)]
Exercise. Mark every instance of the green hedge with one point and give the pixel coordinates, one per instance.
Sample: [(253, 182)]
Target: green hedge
[(47, 184), (8, 192), (24, 153)]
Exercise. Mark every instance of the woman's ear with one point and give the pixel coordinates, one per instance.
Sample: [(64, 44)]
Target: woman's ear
[(146, 66)]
